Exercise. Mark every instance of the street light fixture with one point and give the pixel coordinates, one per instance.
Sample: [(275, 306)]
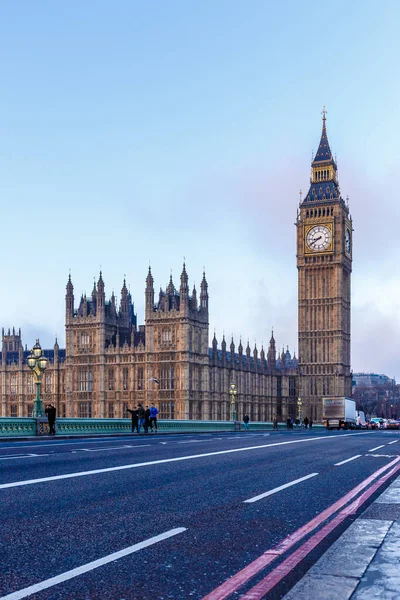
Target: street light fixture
[(299, 405), (37, 362), (233, 393)]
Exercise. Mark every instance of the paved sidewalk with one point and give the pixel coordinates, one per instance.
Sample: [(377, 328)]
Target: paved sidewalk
[(364, 563)]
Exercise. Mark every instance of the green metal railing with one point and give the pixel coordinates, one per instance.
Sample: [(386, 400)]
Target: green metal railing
[(27, 427)]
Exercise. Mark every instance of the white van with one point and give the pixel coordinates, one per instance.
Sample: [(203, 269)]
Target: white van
[(361, 423)]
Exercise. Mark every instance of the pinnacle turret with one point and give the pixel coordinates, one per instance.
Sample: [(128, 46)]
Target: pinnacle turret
[(204, 293)]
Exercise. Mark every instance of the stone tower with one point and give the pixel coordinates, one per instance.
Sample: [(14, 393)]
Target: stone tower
[(177, 347), (324, 263)]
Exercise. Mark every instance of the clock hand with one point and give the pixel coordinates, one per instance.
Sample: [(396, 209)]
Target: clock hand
[(316, 239)]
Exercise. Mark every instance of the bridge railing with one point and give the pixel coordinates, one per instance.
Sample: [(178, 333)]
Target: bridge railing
[(26, 427)]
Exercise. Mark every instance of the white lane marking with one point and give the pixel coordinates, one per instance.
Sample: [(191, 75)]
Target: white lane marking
[(163, 443), (343, 462), (43, 585), (278, 489), (56, 443), (21, 456), (393, 442), (112, 448), (377, 448), (166, 460), (193, 442)]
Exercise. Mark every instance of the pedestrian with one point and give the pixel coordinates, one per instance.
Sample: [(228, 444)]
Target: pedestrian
[(147, 422), (297, 423), (275, 423), (51, 417), (153, 416), (310, 423), (306, 421), (141, 417), (134, 413), (246, 420), (291, 424)]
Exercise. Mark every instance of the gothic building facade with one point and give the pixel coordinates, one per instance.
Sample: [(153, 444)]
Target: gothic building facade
[(110, 363)]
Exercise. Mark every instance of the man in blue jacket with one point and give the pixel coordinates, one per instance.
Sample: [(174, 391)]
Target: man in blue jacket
[(153, 417)]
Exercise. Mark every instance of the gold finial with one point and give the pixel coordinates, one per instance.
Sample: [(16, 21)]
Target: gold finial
[(324, 113)]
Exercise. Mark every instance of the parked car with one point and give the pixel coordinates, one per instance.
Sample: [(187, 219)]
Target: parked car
[(392, 424)]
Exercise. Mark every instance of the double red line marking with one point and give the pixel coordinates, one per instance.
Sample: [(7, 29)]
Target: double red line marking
[(274, 577)]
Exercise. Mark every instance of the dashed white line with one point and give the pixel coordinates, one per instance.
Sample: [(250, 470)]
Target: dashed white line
[(44, 585), (343, 462), (394, 442), (278, 489), (377, 448)]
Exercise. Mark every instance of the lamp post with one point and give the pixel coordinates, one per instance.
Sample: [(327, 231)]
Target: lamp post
[(299, 405), (233, 393), (37, 362)]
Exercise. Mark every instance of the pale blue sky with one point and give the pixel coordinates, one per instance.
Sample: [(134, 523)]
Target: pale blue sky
[(135, 131)]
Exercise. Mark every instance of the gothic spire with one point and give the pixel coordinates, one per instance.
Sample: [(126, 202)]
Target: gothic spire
[(324, 180), (324, 152)]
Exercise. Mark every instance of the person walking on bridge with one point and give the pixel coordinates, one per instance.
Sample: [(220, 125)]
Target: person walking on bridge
[(134, 413), (153, 416), (51, 417)]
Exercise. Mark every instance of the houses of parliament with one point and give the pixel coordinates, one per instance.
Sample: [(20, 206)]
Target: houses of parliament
[(109, 363)]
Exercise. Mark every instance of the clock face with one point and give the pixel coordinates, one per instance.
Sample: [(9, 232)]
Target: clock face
[(347, 241), (319, 238)]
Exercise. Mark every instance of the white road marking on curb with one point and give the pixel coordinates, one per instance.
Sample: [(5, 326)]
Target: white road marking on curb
[(377, 448), (167, 460), (347, 460), (278, 489), (43, 585), (393, 442)]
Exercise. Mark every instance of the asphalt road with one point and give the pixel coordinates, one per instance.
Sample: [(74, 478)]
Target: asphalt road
[(167, 517)]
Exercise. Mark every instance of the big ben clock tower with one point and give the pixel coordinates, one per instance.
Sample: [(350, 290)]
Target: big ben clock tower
[(324, 262)]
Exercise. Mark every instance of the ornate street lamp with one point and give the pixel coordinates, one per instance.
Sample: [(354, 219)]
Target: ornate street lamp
[(37, 362), (299, 405), (233, 393)]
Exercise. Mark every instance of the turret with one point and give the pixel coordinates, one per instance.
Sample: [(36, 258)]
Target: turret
[(101, 297), (223, 345), (94, 298), (271, 356), (204, 294), (56, 350), (69, 299), (113, 306), (232, 350), (193, 303), (184, 290), (124, 303), (214, 345), (283, 359), (149, 293)]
